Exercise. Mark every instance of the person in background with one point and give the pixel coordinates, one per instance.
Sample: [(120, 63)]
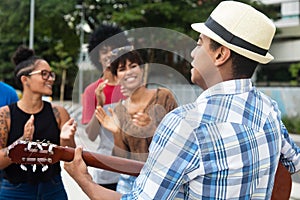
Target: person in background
[(139, 115), (33, 119), (228, 143), (102, 92), (102, 41), (8, 96)]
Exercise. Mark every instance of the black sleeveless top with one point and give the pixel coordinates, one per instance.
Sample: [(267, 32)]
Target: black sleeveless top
[(46, 129)]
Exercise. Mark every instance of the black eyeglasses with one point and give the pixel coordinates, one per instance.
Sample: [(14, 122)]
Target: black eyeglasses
[(45, 74)]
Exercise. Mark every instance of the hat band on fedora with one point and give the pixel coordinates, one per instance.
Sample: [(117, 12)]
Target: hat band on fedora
[(232, 39)]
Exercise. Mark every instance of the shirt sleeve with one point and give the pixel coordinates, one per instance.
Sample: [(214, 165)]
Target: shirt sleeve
[(88, 103), (173, 155), (290, 152)]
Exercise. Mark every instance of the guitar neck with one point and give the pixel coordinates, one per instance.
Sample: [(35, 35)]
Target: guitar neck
[(110, 163)]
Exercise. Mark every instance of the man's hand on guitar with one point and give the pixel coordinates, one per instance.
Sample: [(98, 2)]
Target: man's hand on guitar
[(77, 168)]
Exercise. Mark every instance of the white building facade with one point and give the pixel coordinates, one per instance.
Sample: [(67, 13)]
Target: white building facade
[(286, 44)]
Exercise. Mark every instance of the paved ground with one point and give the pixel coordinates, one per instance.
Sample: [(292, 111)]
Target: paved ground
[(75, 192)]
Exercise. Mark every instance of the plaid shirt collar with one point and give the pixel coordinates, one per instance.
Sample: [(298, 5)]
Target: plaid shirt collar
[(236, 86)]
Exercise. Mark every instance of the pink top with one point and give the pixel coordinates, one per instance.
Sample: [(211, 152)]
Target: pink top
[(89, 101)]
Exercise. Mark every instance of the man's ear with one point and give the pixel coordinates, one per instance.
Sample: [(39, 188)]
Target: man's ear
[(223, 54)]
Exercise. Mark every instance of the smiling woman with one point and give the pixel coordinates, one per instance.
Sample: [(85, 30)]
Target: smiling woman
[(33, 119), (139, 115)]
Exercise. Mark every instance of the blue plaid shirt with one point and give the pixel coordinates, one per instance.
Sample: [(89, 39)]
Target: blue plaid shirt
[(225, 145)]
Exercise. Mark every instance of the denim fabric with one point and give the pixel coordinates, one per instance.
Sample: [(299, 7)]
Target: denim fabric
[(1, 177), (125, 183), (53, 189)]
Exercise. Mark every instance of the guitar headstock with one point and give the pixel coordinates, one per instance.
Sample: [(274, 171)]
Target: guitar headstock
[(29, 152)]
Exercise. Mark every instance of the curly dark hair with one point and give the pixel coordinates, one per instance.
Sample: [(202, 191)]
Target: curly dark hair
[(24, 60), (106, 35), (121, 58)]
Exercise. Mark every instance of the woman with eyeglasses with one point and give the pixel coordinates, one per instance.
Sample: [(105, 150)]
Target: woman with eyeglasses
[(135, 119), (33, 119)]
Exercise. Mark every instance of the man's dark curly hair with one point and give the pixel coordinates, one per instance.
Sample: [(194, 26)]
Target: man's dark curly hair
[(106, 35)]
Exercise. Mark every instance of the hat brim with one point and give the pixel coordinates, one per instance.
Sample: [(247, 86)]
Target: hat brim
[(201, 28)]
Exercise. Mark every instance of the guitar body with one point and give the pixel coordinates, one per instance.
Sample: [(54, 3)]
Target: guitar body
[(24, 152), (282, 185)]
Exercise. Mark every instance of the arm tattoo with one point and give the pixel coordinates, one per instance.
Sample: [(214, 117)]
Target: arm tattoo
[(4, 115)]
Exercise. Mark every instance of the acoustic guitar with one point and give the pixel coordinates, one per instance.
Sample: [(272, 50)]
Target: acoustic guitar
[(39, 153)]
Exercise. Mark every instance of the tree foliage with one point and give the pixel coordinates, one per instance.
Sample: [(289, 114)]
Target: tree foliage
[(50, 30), (294, 70), (58, 23)]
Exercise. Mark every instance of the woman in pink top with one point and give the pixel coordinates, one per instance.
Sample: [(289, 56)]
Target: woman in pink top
[(101, 92), (102, 41)]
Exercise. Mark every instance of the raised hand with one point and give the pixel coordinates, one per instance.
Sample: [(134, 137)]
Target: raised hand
[(29, 129), (99, 93), (111, 123), (68, 130)]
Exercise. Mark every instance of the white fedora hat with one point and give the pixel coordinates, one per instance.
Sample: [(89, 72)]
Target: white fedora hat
[(241, 28)]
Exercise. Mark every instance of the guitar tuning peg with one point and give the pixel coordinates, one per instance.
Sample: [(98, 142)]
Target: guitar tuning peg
[(44, 168), (23, 167), (34, 167), (39, 146), (50, 149), (29, 146)]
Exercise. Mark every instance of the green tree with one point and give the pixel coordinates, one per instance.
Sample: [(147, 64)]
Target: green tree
[(173, 14), (13, 32), (62, 66), (57, 23), (50, 29), (294, 70), (176, 15)]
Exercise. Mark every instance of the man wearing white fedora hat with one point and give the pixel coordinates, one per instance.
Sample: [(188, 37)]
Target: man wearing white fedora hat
[(228, 143)]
